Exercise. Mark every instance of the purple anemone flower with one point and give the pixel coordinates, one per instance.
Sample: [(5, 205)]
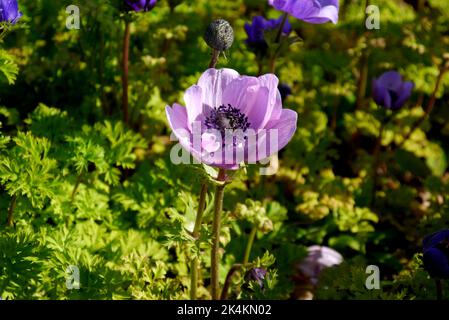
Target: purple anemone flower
[(232, 119), (9, 11), (390, 91), (141, 5), (318, 259), (255, 31), (312, 11), (436, 254)]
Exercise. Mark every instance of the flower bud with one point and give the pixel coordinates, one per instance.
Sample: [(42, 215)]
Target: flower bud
[(266, 225), (219, 35), (257, 274)]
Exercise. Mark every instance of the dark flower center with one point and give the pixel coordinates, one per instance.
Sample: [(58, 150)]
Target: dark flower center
[(227, 118), (394, 96)]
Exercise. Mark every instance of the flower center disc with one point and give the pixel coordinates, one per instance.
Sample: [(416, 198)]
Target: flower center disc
[(227, 118)]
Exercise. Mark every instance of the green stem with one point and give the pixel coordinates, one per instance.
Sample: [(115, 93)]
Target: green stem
[(281, 27), (195, 234), (272, 64), (249, 245), (194, 278), (363, 81), (224, 293), (77, 184), (385, 121), (216, 226), (125, 66), (12, 206)]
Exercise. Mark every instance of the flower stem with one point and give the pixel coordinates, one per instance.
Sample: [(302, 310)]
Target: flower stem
[(195, 234), (77, 184), (272, 64), (429, 107), (362, 81), (249, 245), (12, 206), (439, 287), (214, 60), (281, 27), (385, 121), (224, 293), (126, 39), (376, 156), (216, 225)]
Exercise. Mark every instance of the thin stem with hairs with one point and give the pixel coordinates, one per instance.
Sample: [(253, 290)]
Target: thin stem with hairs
[(216, 227), (125, 66), (249, 245), (11, 208), (214, 59), (196, 233)]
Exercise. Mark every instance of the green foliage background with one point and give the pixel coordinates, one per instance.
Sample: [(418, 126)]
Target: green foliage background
[(89, 191)]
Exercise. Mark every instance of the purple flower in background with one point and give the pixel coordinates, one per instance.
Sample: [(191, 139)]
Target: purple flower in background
[(436, 254), (312, 11), (257, 274), (141, 5), (390, 91), (9, 11), (285, 91), (255, 31), (230, 119), (318, 259)]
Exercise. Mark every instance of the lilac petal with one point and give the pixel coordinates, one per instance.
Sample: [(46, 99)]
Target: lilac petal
[(194, 104), (241, 93), (274, 107), (286, 126), (257, 110), (177, 117), (312, 11), (213, 82), (325, 256), (319, 258), (325, 14), (268, 102), (404, 93)]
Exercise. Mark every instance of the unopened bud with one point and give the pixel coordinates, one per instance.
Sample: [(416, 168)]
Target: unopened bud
[(219, 35), (257, 274)]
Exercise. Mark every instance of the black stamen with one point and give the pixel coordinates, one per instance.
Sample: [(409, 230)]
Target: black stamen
[(227, 118)]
